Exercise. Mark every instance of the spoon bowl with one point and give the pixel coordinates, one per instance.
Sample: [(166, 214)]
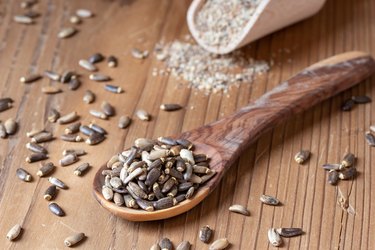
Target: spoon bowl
[(223, 141)]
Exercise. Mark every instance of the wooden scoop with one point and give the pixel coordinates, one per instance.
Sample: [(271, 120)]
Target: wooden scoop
[(223, 141), (269, 16)]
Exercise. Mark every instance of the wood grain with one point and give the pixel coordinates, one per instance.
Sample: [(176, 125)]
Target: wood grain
[(266, 167)]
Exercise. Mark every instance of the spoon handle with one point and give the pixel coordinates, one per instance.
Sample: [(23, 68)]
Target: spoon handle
[(231, 135)]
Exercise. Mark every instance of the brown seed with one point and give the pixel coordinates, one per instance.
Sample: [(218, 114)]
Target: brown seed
[(168, 185), (52, 75), (36, 148), (68, 118), (51, 89), (99, 77), (77, 152), (362, 99), (30, 78), (157, 191), (23, 19), (57, 182), (112, 62), (68, 160), (67, 76), (74, 239), (71, 138), (124, 121), (53, 115), (143, 115), (133, 175), (347, 105), (36, 157), (108, 109), (74, 83), (56, 209), (89, 97), (42, 137), (170, 107), (163, 203), (135, 189), (157, 154), (14, 232), (98, 114), (289, 232), (239, 209), (45, 169), (302, 156), (81, 169), (330, 166), (87, 65), (269, 200), (348, 160), (185, 143), (205, 234), (10, 126), (67, 32), (23, 174), (32, 14), (274, 238), (95, 58), (190, 192), (219, 244), (50, 193), (72, 128), (348, 173), (184, 245), (145, 205), (5, 104), (94, 139), (201, 169), (165, 244)]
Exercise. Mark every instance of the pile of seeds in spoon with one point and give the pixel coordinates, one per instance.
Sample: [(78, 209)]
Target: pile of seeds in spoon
[(155, 174)]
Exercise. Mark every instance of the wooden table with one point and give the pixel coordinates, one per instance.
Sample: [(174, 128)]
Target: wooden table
[(267, 167)]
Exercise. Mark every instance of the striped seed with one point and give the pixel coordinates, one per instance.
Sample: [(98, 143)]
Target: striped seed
[(163, 203), (348, 160), (145, 205), (113, 88), (348, 105), (71, 138), (68, 118), (143, 115), (190, 192), (370, 138), (112, 62), (205, 234), (57, 182), (23, 19), (87, 65), (36, 157), (170, 107), (22, 174), (50, 90), (95, 58), (34, 132), (348, 173), (289, 232), (135, 189), (107, 193), (43, 136), (156, 154), (274, 238), (269, 200), (56, 209), (72, 128), (124, 121), (53, 115), (86, 130), (3, 132), (239, 209), (94, 139), (52, 75), (77, 152), (165, 244), (50, 193), (167, 141), (219, 244), (84, 13), (68, 160), (14, 232), (45, 169), (107, 108), (5, 104), (99, 77), (115, 182), (10, 126), (67, 76), (362, 99), (184, 245), (74, 84), (36, 148), (98, 114), (73, 239), (118, 199), (97, 128), (302, 156), (30, 78), (67, 32), (81, 169), (332, 166), (88, 97), (137, 172)]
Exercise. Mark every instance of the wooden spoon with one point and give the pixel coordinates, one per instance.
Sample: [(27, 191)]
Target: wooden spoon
[(269, 16), (223, 141)]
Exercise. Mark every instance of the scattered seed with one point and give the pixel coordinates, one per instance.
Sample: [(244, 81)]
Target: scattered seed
[(347, 105), (269, 200), (274, 238), (75, 20), (23, 19), (57, 182), (289, 232), (95, 139), (74, 83), (113, 88), (14, 232), (112, 62), (81, 169), (333, 177), (89, 97), (71, 138), (72, 128), (36, 157), (332, 166), (68, 160), (370, 138), (43, 136), (36, 148), (170, 107), (97, 128), (84, 13), (74, 239), (138, 54), (348, 173), (67, 76), (362, 99), (10, 126), (5, 103), (184, 245), (30, 78), (98, 114), (45, 169), (53, 115), (124, 121), (86, 130), (108, 109), (3, 132), (143, 115), (56, 209), (165, 244), (348, 160), (155, 247), (67, 32), (99, 77), (34, 132), (22, 174), (32, 14), (27, 4), (95, 58), (219, 244), (52, 75), (50, 193), (68, 118), (205, 234), (239, 209), (87, 65), (77, 152), (51, 90), (302, 156)]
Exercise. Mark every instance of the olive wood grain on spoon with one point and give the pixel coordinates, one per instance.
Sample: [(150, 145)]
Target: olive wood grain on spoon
[(224, 140)]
